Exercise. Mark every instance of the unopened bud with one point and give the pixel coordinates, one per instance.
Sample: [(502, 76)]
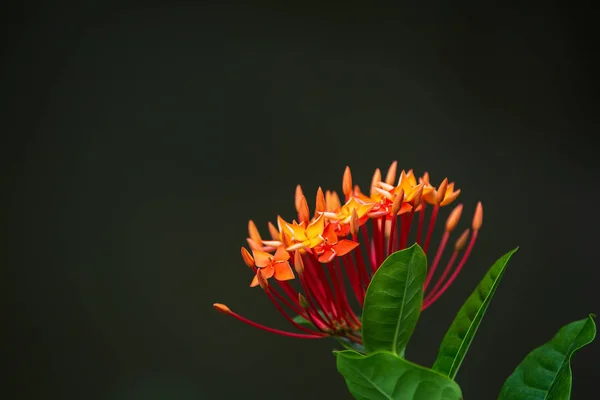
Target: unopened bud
[(299, 194), (262, 281), (347, 182), (441, 192), (453, 218), (354, 222), (332, 200), (320, 204), (253, 232), (254, 245), (247, 257), (302, 301), (398, 203), (298, 263), (274, 232), (462, 241), (385, 186), (478, 217), (222, 308), (383, 193), (303, 211), (418, 196), (391, 173), (376, 178)]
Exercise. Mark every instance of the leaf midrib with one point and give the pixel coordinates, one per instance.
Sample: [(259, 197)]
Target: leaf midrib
[(452, 373), (380, 390), (398, 323), (567, 358)]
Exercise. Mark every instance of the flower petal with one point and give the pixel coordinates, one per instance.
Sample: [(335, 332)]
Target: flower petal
[(329, 234), (315, 228), (253, 232), (344, 247), (281, 254), (405, 208), (327, 256), (261, 258), (450, 195), (268, 271), (314, 241), (283, 271)]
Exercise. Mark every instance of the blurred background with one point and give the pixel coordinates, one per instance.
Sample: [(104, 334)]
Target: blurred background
[(140, 138)]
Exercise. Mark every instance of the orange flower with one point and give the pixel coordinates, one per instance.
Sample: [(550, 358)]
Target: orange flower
[(321, 295), (332, 247), (444, 195), (270, 266), (302, 236)]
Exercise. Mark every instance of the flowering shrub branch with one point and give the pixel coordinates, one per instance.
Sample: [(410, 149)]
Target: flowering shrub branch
[(379, 241)]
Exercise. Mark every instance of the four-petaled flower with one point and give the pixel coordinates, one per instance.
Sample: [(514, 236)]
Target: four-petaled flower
[(300, 236), (269, 266), (331, 246)]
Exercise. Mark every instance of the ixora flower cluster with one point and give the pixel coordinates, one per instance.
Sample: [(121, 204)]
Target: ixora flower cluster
[(348, 241)]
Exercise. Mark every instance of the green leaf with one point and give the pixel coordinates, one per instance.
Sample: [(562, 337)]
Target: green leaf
[(545, 374), (385, 376), (460, 334), (393, 301)]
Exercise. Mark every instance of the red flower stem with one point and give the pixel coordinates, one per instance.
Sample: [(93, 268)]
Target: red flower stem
[(421, 220), (273, 330), (339, 306), (369, 247), (282, 311), (456, 271), (344, 298), (319, 280), (322, 279), (392, 237), (375, 241), (360, 261), (310, 295), (312, 283), (353, 275), (436, 260), (432, 220), (381, 239), (317, 320), (399, 224), (445, 273), (296, 309), (290, 292), (361, 274), (406, 229)]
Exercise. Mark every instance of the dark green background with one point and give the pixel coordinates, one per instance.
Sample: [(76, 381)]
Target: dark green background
[(140, 139)]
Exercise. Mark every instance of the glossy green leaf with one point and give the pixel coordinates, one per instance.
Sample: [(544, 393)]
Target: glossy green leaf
[(545, 374), (460, 334), (393, 301), (385, 376)]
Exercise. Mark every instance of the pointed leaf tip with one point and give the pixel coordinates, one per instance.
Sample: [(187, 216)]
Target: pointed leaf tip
[(458, 339), (545, 373)]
